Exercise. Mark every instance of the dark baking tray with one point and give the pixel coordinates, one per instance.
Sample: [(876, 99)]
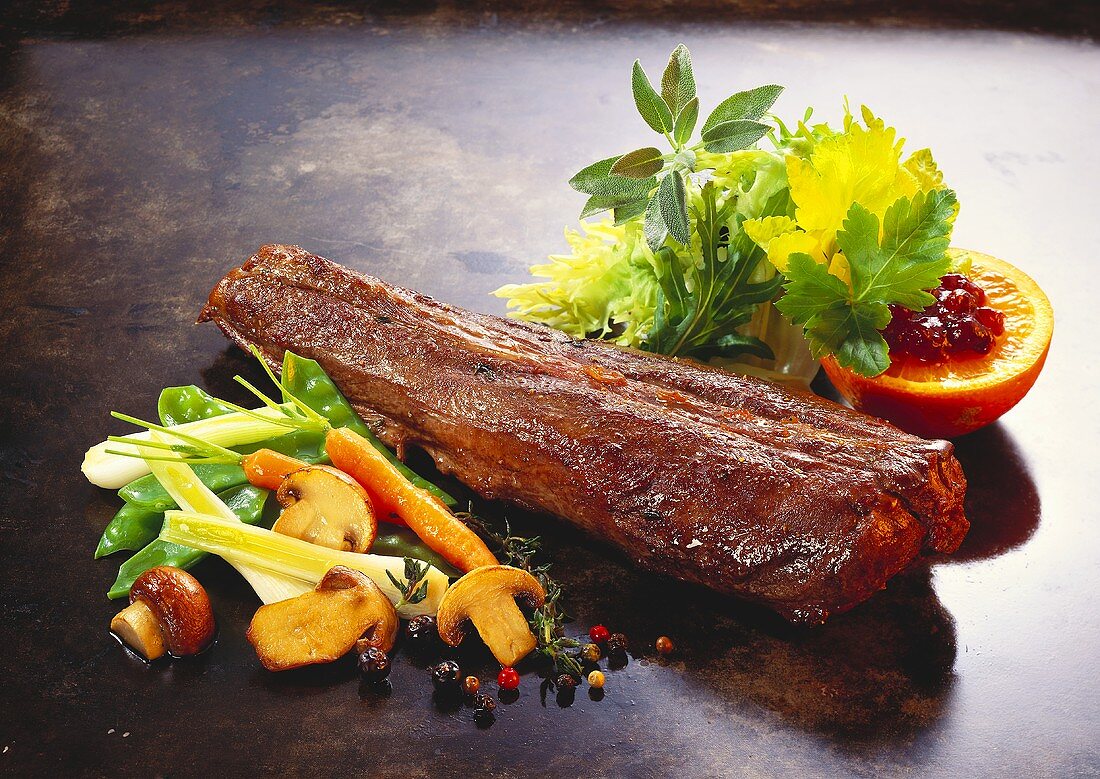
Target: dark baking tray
[(146, 148)]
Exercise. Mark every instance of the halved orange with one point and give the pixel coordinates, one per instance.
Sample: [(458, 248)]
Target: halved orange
[(960, 395)]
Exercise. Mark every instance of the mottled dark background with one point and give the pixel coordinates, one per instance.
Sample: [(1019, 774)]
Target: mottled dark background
[(147, 147)]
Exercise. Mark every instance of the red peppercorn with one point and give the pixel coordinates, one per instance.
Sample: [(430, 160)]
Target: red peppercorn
[(508, 678), (599, 634)]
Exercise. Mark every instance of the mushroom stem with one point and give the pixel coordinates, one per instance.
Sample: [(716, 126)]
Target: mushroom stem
[(504, 629), (137, 625)]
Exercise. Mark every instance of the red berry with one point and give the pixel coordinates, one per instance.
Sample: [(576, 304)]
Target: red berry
[(956, 322), (991, 318), (953, 281), (599, 634), (508, 679)]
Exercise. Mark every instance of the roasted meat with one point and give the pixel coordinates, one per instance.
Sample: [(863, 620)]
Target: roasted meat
[(775, 496)]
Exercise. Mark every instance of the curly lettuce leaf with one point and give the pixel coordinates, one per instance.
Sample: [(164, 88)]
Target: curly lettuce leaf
[(605, 287)]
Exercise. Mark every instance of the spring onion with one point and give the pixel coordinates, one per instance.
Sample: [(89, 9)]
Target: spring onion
[(293, 559), (113, 471)]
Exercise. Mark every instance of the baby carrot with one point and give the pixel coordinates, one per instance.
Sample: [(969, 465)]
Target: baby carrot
[(393, 494), (266, 468)]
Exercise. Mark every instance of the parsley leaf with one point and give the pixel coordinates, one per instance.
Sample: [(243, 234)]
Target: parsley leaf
[(896, 264)]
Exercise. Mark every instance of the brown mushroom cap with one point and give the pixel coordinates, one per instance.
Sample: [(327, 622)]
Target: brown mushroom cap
[(486, 596), (181, 606), (326, 507), (345, 609), (382, 633)]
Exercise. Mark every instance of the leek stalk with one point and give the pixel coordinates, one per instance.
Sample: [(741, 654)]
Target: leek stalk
[(291, 558), (192, 495)]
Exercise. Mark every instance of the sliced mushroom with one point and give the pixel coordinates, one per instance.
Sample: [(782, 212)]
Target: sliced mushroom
[(345, 610), (487, 597), (326, 507), (169, 612)]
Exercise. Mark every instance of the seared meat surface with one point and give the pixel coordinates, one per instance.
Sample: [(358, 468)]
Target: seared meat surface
[(776, 496)]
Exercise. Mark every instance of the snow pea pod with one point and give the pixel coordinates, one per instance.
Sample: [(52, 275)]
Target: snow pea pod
[(147, 492), (131, 528), (394, 541), (179, 405), (307, 380), (247, 502)]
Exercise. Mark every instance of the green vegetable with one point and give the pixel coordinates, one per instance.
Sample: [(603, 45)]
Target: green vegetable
[(131, 528), (137, 523), (307, 381), (894, 265), (180, 405), (674, 274), (394, 541), (700, 308), (294, 560), (148, 493), (191, 495), (247, 504), (628, 180)]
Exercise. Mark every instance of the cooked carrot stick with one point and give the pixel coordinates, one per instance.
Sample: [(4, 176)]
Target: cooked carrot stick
[(393, 494), (266, 468)]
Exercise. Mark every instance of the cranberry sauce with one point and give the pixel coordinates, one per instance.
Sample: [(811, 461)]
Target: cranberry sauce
[(958, 324)]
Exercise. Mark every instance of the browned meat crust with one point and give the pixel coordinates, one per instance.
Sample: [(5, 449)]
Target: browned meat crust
[(779, 497)]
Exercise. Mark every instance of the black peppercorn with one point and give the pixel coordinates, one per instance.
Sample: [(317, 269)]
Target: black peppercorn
[(616, 648), (446, 676), (374, 665), (565, 681), (422, 634), (484, 704)]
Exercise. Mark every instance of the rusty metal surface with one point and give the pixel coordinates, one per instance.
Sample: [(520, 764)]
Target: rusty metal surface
[(135, 168)]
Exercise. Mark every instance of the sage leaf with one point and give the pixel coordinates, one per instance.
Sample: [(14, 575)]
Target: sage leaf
[(733, 135), (598, 203), (654, 226), (671, 200), (678, 81), (597, 179), (584, 179), (751, 104), (684, 125), (624, 214), (650, 105), (639, 164)]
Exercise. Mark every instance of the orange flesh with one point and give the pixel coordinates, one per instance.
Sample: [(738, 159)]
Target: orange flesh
[(1028, 320), (962, 394)]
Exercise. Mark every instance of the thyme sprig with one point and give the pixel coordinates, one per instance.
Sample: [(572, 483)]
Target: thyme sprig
[(414, 587), (547, 621)]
